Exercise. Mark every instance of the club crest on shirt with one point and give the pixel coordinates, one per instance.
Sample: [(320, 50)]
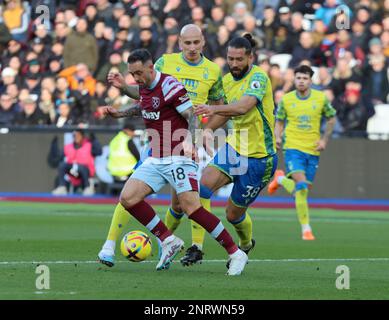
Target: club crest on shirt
[(155, 102)]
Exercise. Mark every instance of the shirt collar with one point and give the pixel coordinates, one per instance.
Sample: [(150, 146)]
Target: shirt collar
[(156, 80)]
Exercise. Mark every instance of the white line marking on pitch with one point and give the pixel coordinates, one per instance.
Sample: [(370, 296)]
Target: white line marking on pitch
[(206, 261)]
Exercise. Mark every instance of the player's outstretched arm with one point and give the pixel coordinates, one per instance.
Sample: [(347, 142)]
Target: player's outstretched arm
[(241, 107), (322, 143), (117, 80), (279, 129), (130, 112)]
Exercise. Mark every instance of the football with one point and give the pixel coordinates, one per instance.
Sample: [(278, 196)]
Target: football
[(136, 246)]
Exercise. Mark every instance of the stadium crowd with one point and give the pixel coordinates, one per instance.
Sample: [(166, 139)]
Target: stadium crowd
[(53, 69)]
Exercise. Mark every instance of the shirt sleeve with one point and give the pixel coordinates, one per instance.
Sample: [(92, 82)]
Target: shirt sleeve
[(328, 110), (257, 86), (158, 65), (176, 95), (281, 113), (217, 92)]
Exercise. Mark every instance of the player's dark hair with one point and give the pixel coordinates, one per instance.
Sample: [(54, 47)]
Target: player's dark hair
[(141, 55), (304, 69), (246, 42)]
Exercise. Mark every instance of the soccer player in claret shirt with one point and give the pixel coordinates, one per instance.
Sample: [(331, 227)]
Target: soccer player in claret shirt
[(203, 81), (248, 159), (298, 121), (168, 116)]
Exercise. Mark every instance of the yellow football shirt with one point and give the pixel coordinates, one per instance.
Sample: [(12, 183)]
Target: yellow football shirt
[(302, 118), (202, 81), (252, 133)]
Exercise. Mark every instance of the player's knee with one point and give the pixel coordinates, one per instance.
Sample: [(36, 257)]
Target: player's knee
[(302, 185), (233, 216), (128, 202), (205, 191)]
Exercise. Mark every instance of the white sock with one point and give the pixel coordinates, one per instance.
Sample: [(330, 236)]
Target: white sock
[(279, 179), (109, 245), (236, 253), (306, 227), (169, 238)]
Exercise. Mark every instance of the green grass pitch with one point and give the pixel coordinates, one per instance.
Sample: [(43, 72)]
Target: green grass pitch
[(67, 239)]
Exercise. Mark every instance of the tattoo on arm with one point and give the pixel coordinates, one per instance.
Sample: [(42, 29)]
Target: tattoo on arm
[(131, 112), (131, 91)]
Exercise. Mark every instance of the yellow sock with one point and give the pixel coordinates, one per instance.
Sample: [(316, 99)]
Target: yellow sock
[(172, 219), (244, 229), (302, 206), (120, 219), (288, 184), (198, 232)]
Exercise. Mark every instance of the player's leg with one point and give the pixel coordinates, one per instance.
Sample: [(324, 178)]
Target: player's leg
[(211, 180), (191, 205), (247, 187), (284, 180), (174, 213), (145, 180), (119, 220)]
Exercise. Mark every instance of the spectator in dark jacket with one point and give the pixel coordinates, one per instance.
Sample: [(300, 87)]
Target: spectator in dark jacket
[(8, 110), (376, 84), (31, 114)]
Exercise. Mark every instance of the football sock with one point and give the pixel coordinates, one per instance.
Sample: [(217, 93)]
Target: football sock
[(119, 220), (306, 227), (215, 227), (146, 215), (198, 232), (244, 229), (301, 200), (287, 183), (172, 219)]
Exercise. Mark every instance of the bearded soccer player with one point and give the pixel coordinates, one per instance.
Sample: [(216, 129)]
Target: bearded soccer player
[(298, 123), (248, 159), (164, 103), (203, 81)]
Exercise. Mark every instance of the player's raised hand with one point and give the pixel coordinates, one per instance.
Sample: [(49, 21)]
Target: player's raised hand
[(203, 110), (321, 145), (110, 111), (116, 79)]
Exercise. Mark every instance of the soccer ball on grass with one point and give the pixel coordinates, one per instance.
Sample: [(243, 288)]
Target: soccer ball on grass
[(136, 246)]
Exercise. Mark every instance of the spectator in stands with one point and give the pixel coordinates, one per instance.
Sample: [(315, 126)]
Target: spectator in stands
[(32, 83), (231, 25), (105, 10), (115, 60), (169, 44), (269, 26), (5, 36), (305, 50), (81, 47), (47, 105), (343, 44), (63, 117), (8, 76), (351, 112), (16, 18), (78, 166), (91, 15), (79, 75), (31, 114), (281, 42), (343, 74), (217, 17), (376, 84), (259, 7), (327, 11), (61, 31), (123, 154), (8, 109), (323, 80)]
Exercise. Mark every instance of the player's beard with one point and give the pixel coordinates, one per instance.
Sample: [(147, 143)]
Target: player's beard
[(241, 73)]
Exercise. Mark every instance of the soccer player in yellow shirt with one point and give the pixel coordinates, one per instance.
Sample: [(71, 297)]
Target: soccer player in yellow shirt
[(203, 81), (248, 159), (298, 121)]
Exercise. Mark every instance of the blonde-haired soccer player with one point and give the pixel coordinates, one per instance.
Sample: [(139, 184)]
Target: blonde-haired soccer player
[(298, 123), (203, 81)]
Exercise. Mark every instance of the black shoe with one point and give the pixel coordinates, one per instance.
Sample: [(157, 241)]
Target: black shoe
[(245, 251), (192, 255)]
